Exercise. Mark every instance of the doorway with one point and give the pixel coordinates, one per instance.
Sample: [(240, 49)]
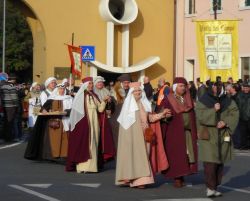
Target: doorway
[(189, 69), (108, 76)]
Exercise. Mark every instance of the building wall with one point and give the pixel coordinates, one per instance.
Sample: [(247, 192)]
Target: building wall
[(186, 39), (54, 22)]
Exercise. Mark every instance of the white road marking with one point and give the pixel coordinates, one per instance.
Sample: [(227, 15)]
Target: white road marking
[(235, 189), (38, 185), (243, 154), (189, 185), (225, 187), (87, 185), (10, 145), (40, 195), (186, 199)]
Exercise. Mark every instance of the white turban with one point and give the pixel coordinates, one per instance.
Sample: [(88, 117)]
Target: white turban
[(48, 81), (98, 79)]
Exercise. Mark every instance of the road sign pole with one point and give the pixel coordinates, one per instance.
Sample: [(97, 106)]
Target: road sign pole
[(87, 65), (71, 67)]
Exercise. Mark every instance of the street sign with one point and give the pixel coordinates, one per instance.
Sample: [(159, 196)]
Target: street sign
[(88, 53)]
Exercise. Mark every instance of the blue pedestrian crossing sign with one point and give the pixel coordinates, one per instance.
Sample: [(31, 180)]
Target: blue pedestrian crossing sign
[(88, 53)]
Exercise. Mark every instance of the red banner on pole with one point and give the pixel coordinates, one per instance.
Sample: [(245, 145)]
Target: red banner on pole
[(75, 54)]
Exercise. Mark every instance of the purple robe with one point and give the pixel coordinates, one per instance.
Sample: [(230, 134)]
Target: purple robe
[(175, 143), (107, 142)]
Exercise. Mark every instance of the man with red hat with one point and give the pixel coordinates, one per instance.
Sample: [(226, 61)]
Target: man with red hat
[(180, 131)]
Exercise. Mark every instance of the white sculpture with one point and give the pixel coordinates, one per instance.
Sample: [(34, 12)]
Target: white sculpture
[(120, 12)]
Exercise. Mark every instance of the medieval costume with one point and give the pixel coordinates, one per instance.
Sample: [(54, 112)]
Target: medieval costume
[(215, 144), (181, 135), (47, 92), (133, 155), (108, 152), (120, 95), (34, 105), (84, 135), (124, 79), (49, 139)]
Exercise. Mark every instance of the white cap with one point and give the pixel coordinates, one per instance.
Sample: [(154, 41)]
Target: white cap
[(98, 79), (65, 80), (48, 81), (33, 85)]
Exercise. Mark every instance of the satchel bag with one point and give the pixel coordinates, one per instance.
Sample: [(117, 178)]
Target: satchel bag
[(54, 123), (149, 135)]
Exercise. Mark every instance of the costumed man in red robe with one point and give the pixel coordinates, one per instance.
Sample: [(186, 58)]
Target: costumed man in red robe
[(181, 134), (84, 137)]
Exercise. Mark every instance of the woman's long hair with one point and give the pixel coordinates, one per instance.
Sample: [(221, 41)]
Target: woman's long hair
[(117, 89)]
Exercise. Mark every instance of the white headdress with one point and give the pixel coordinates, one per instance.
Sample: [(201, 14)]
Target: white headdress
[(98, 79), (65, 80), (33, 85), (48, 81), (78, 110), (67, 104), (101, 93), (127, 115), (175, 87), (56, 96)]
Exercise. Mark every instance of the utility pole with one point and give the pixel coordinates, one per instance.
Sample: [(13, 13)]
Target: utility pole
[(215, 8), (3, 54)]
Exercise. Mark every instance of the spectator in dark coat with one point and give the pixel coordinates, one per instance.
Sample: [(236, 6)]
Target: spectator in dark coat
[(192, 89), (243, 102), (233, 92), (10, 103), (148, 88), (201, 88)]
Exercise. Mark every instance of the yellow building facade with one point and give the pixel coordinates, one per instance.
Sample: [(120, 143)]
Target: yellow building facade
[(52, 23)]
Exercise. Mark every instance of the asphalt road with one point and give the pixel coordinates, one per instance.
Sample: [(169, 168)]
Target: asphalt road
[(24, 180)]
